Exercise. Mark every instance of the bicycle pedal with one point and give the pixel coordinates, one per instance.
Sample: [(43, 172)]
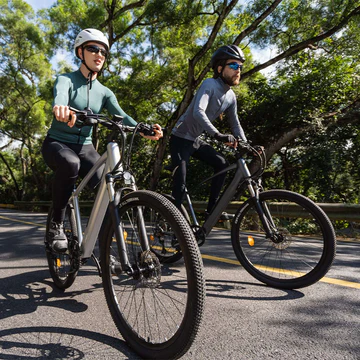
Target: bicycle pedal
[(226, 216), (116, 268), (201, 242)]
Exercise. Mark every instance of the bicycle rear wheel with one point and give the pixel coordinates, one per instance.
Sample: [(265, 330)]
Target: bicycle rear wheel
[(64, 267), (156, 308), (165, 246), (303, 249)]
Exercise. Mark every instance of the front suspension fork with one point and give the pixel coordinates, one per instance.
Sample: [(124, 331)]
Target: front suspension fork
[(115, 199), (262, 209)]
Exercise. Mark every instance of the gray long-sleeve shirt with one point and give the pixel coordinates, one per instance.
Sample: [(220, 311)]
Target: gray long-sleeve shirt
[(213, 98)]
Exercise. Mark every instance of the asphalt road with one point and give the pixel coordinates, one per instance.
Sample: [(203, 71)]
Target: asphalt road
[(243, 318)]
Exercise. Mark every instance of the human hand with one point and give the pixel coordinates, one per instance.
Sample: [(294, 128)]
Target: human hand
[(227, 139), (158, 133), (62, 113)]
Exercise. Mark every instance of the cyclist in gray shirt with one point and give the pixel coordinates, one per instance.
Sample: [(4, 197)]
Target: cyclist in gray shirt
[(214, 98)]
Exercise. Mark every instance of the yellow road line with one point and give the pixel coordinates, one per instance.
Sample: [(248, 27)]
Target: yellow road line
[(325, 279), (215, 258), (22, 221)]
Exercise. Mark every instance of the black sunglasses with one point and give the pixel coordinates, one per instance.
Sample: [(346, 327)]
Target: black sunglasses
[(235, 66), (95, 50)]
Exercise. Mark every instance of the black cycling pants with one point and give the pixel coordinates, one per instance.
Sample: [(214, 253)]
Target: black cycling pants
[(68, 161), (181, 150)]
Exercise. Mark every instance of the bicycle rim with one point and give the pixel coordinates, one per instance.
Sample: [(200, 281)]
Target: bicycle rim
[(163, 241), (303, 249), (165, 246), (159, 311)]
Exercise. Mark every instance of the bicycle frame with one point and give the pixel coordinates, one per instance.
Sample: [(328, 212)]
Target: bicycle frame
[(105, 196), (242, 174)]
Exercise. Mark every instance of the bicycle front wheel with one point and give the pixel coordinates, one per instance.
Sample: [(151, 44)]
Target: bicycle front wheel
[(156, 307), (64, 267), (302, 249)]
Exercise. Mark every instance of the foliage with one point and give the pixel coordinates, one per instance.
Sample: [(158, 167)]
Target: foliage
[(305, 113), (25, 73)]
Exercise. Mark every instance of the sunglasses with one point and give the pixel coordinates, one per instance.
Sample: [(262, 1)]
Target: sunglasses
[(95, 50), (235, 66)]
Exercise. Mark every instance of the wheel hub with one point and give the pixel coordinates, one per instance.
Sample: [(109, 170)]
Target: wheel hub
[(282, 239), (150, 270)]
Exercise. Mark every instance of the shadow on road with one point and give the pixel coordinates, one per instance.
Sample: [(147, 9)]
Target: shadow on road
[(229, 289), (25, 292), (60, 343)]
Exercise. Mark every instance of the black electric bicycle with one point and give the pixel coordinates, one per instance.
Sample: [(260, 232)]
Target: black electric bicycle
[(281, 238), (156, 307)]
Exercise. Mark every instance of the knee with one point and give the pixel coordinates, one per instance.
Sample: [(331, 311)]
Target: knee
[(220, 164), (69, 166)]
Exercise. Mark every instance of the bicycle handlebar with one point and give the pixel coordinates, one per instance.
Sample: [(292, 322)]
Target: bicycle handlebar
[(88, 118)]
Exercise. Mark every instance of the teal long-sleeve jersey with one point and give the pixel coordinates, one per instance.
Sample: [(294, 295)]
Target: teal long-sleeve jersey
[(71, 90)]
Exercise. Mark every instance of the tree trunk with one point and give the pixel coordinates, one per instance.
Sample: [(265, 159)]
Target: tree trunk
[(18, 192)]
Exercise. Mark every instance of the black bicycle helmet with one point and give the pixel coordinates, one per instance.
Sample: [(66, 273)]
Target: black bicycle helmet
[(226, 52)]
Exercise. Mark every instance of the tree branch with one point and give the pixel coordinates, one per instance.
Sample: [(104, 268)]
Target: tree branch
[(347, 115), (254, 25), (303, 44)]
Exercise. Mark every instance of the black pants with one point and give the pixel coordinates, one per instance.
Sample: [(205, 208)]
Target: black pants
[(181, 150), (68, 161)]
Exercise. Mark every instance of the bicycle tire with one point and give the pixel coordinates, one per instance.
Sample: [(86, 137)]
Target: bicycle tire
[(63, 267), (166, 248), (304, 250), (158, 315)]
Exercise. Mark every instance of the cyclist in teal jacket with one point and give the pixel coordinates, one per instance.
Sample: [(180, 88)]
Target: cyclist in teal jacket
[(67, 149), (214, 98)]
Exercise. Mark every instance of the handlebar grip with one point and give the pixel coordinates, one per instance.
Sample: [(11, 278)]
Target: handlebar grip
[(146, 129), (244, 144)]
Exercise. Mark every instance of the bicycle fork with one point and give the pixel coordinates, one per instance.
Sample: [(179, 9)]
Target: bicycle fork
[(114, 201), (264, 212)]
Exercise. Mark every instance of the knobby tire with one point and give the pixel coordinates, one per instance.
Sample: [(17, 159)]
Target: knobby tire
[(302, 253), (158, 313), (63, 267)]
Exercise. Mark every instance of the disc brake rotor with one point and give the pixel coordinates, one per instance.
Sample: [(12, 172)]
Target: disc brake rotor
[(151, 275)]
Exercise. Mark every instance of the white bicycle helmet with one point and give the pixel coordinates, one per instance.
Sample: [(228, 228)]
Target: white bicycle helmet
[(90, 35)]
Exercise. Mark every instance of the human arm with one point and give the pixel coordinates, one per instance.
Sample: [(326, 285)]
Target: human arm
[(232, 117), (203, 111), (200, 114), (212, 99), (61, 109), (112, 105)]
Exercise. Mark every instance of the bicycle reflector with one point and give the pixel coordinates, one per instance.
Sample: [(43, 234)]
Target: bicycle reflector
[(125, 235), (251, 241)]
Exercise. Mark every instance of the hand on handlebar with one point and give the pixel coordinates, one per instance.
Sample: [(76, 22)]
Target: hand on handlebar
[(158, 133), (227, 139), (63, 113)]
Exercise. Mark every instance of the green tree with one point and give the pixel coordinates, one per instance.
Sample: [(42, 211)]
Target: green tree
[(160, 53), (25, 77)]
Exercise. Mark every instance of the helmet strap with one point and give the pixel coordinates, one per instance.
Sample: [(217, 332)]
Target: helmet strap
[(89, 85), (91, 71)]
